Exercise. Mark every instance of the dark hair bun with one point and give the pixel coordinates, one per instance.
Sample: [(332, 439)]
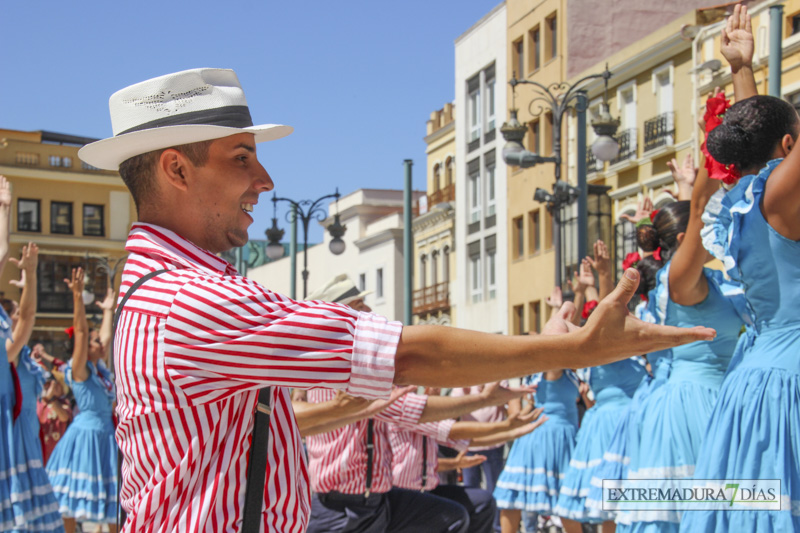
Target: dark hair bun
[(647, 237), (648, 268), (729, 144)]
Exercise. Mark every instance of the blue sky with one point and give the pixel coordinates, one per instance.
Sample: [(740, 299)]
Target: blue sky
[(356, 79)]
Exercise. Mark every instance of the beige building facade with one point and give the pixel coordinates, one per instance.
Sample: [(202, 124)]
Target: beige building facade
[(434, 228), (77, 215)]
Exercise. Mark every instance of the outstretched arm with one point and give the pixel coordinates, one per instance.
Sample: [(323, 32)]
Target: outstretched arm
[(80, 352), (442, 356), (443, 407), (27, 304), (737, 46)]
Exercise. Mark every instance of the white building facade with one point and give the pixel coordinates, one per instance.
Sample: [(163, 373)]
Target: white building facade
[(481, 231), (373, 256)]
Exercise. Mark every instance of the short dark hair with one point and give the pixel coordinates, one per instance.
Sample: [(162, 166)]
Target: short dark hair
[(138, 172)]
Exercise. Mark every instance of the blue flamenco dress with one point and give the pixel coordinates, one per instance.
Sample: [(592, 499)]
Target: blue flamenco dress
[(754, 431), (537, 463), (675, 415), (613, 386), (39, 504), (625, 441), (83, 466)]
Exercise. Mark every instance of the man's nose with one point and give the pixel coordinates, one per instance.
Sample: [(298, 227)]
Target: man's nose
[(264, 181)]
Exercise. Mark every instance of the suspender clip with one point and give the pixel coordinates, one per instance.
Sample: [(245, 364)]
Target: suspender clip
[(366, 493), (263, 408)]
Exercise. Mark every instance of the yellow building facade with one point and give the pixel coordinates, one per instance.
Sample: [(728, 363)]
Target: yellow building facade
[(434, 228), (536, 39), (78, 216)]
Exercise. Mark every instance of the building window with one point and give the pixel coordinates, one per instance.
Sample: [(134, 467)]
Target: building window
[(518, 237), (551, 29), (28, 215), (475, 114), (379, 284), (625, 242), (794, 24), (519, 320), (61, 217), (448, 171), (423, 271), (435, 267), (59, 161), (518, 59), (93, 220), (490, 188), (362, 282), (475, 197), (27, 159), (533, 136), (534, 243), (490, 113), (547, 149), (53, 295), (535, 49), (437, 175), (476, 281), (491, 273), (535, 317)]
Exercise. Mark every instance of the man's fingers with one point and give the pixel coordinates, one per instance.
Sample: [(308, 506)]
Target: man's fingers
[(567, 311), (673, 336)]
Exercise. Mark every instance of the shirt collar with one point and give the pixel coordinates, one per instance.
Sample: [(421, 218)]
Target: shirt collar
[(161, 243)]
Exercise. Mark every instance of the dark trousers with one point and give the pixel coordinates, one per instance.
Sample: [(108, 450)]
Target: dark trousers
[(491, 469), (480, 505), (397, 511)]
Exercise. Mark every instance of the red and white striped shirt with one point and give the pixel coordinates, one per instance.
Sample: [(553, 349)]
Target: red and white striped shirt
[(338, 459), (192, 349), (407, 453)]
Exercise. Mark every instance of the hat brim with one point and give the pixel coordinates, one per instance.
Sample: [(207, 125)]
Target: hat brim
[(352, 299), (108, 154)]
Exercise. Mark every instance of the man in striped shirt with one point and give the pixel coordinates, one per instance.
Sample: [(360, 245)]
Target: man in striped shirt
[(195, 344)]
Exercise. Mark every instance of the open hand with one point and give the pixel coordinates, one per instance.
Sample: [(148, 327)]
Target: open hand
[(75, 282), (555, 300), (611, 333), (737, 43), (685, 174), (28, 262), (601, 261), (585, 275), (463, 460), (643, 210), (497, 395), (5, 192), (108, 302)]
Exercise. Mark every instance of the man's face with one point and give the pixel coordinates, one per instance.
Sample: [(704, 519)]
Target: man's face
[(225, 189)]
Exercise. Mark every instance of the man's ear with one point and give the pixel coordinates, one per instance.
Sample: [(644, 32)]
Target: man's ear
[(787, 143), (174, 166)]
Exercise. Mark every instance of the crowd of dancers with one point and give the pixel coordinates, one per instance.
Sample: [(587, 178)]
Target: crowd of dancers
[(716, 410)]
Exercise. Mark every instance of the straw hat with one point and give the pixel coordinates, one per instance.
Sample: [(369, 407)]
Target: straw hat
[(339, 289), (181, 108)]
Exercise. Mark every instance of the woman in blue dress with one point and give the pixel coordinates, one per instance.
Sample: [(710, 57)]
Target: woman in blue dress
[(83, 467), (613, 386), (755, 230), (674, 416), (537, 464), (33, 493)]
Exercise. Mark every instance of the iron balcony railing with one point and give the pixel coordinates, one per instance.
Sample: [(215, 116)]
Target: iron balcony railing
[(659, 131), (432, 298), (445, 194), (627, 146)]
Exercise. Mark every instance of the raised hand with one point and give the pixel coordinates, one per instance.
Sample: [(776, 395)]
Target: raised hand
[(108, 302), (18, 282), (737, 43), (28, 261), (601, 261), (584, 275), (5, 192), (75, 282), (643, 210), (555, 300), (683, 175)]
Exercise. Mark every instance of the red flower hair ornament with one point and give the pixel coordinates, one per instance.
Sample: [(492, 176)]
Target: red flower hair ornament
[(716, 106), (70, 331), (631, 260)]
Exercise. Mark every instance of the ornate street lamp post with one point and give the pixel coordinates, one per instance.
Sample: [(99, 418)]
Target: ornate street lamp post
[(558, 98), (305, 211)]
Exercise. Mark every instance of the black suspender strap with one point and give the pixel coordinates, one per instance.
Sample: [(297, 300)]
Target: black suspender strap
[(257, 469), (424, 462), (370, 451), (121, 516)]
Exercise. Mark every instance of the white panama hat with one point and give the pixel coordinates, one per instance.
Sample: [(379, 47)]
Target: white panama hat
[(339, 289), (181, 108)]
